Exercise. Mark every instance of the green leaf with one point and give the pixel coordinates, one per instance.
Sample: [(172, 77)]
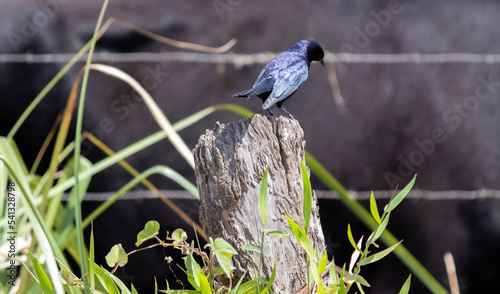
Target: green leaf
[(277, 234), (133, 290), (105, 278), (250, 247), (351, 238), (321, 288), (360, 288), (307, 196), (193, 269), (355, 255), (217, 271), (248, 287), (116, 255), (342, 280), (91, 259), (331, 289), (222, 246), (271, 280), (204, 284), (400, 196), (124, 289), (224, 263), (380, 228), (263, 197), (362, 281), (223, 252), (379, 255), (150, 231), (406, 287), (179, 291), (64, 276), (237, 287), (179, 236), (41, 276), (313, 272), (323, 263), (374, 209), (302, 238), (350, 279), (333, 273)]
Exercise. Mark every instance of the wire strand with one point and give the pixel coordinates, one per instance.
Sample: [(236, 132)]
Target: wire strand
[(320, 194), (248, 59)]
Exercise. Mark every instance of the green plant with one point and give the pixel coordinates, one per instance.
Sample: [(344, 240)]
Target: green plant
[(46, 228), (202, 277), (36, 219), (386, 237), (317, 263)]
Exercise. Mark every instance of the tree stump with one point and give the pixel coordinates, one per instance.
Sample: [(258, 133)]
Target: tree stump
[(230, 161)]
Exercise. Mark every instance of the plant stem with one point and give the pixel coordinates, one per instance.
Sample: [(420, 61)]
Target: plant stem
[(401, 252)]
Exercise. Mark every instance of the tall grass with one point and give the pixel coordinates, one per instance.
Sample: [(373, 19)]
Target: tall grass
[(45, 228)]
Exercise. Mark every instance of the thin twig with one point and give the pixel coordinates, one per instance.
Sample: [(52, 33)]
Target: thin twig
[(171, 42), (452, 272), (335, 88)]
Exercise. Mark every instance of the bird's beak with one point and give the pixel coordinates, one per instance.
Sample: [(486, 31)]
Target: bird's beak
[(322, 62)]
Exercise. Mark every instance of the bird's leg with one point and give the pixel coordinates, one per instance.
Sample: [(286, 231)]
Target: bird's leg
[(270, 112), (289, 114)]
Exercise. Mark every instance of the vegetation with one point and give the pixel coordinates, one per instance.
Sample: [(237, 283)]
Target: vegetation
[(42, 232)]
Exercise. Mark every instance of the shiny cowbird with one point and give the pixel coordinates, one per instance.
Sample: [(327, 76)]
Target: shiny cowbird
[(283, 75)]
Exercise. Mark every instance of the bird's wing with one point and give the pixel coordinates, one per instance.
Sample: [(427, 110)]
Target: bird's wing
[(287, 83), (263, 76), (263, 84)]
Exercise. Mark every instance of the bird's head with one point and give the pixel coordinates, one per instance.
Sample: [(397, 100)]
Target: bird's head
[(314, 51)]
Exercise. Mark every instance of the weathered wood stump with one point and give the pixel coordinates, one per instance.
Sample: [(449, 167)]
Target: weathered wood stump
[(230, 162)]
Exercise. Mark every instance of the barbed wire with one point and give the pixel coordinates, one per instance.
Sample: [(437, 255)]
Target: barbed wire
[(320, 194), (248, 59)]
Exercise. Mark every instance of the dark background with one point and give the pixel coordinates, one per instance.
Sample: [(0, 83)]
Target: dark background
[(386, 127)]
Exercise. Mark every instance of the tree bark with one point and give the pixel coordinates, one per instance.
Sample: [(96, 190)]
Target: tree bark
[(230, 162)]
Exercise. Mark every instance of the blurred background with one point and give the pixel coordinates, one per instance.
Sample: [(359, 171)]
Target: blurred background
[(372, 120)]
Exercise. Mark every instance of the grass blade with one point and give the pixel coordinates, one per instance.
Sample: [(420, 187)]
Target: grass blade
[(271, 280), (158, 115), (78, 132), (263, 197), (401, 252), (43, 280), (91, 260), (106, 280), (307, 196), (18, 173), (302, 238), (406, 287), (142, 144), (162, 170)]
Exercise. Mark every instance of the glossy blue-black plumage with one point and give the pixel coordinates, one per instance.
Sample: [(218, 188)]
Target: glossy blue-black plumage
[(283, 75)]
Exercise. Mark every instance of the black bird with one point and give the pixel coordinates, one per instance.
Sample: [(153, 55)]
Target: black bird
[(283, 75)]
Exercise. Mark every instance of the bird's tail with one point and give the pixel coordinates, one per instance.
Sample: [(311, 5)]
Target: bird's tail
[(262, 89), (245, 94)]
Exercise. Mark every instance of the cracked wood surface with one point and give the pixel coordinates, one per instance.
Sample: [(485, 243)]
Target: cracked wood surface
[(230, 161)]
